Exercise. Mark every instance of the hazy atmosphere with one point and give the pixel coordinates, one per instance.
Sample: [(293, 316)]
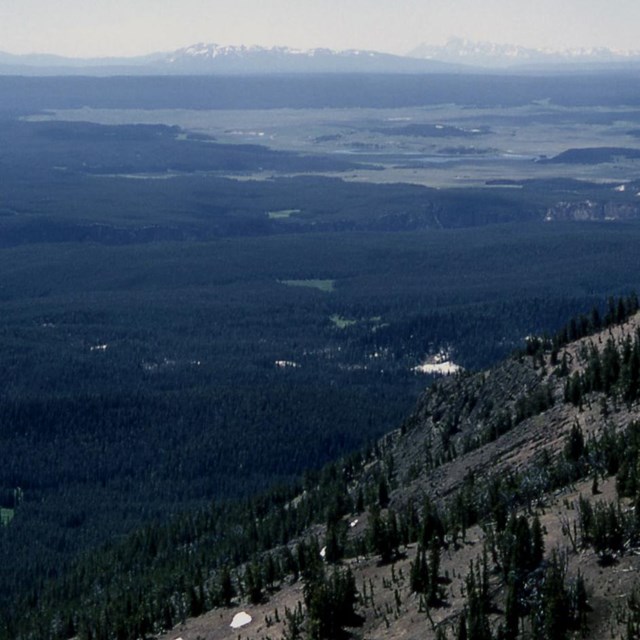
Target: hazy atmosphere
[(115, 28)]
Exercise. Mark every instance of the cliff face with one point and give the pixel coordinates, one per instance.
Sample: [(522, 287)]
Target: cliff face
[(592, 210), (505, 417)]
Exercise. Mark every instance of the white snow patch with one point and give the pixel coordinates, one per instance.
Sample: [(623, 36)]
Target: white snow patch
[(438, 364), (241, 132), (622, 188), (444, 368), (240, 620), (100, 347), (283, 364), (439, 126)]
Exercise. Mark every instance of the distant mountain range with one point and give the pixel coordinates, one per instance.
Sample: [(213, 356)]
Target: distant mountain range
[(204, 58), (216, 58), (457, 55), (460, 51)]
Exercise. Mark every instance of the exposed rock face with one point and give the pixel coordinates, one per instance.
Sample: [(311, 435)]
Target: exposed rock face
[(592, 210)]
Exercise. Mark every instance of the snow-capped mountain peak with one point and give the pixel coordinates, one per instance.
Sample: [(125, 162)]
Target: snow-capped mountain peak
[(211, 51), (215, 58), (491, 54)]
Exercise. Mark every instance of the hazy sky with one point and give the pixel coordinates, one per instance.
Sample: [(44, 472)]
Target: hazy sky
[(128, 27)]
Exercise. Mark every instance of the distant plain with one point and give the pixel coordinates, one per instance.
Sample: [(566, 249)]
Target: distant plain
[(437, 146)]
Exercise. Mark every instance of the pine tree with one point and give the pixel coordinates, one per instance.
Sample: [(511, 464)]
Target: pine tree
[(478, 603), (462, 628), (512, 613), (579, 604), (433, 593), (432, 526), (292, 624), (554, 617), (419, 572), (334, 549), (633, 616), (441, 634), (253, 583), (537, 543), (383, 534), (575, 444), (383, 493), (330, 604)]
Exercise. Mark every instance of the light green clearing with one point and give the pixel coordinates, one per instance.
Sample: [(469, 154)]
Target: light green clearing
[(342, 323), (323, 285), (6, 516), (280, 215)]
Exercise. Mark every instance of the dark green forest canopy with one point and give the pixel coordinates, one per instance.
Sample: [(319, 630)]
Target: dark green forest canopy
[(29, 95)]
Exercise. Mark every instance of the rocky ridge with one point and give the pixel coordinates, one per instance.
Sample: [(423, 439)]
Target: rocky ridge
[(468, 430)]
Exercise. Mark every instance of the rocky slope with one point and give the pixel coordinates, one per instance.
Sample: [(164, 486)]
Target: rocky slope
[(471, 432)]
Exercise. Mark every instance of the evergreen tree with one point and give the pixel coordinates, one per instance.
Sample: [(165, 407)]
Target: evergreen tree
[(537, 543), (334, 545), (579, 604), (383, 535), (512, 613), (432, 525), (462, 628), (633, 615), (226, 590), (253, 583), (330, 604), (383, 493), (293, 621), (553, 617), (478, 603), (433, 593), (574, 448), (419, 572)]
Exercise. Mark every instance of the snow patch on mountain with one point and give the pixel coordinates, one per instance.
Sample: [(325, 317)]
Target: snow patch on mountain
[(464, 51), (211, 51)]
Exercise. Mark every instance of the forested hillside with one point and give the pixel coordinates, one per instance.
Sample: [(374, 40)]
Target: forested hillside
[(504, 507)]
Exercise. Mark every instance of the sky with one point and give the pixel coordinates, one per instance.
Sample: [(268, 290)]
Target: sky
[(99, 28)]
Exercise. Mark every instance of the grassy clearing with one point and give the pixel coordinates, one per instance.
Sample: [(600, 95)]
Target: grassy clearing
[(342, 323), (6, 516), (322, 285)]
